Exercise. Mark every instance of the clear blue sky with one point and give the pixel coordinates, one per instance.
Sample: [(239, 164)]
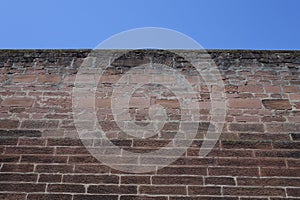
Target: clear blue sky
[(215, 24)]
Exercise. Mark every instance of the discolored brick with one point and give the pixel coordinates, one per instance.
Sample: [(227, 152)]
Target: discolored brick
[(18, 102), (277, 104), (24, 78), (49, 78), (9, 124), (246, 127)]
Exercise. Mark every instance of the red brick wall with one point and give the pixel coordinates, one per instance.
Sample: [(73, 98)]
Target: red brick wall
[(256, 157)]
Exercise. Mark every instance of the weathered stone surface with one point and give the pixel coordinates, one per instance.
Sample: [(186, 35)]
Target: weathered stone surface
[(20, 133), (24, 78), (18, 101), (257, 155), (244, 103), (277, 104), (9, 123)]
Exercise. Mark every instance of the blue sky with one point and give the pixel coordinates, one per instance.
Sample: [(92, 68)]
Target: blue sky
[(215, 24)]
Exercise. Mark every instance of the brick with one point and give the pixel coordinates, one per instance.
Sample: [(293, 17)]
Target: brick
[(246, 144), (263, 136), (183, 170), (246, 118), (9, 158), (109, 126), (112, 78), (50, 178), (286, 145), (156, 160), (229, 153), (49, 196), (276, 153), (290, 89), (135, 179), (95, 197), (293, 192), (167, 103), (202, 197), (72, 150), (8, 141), (138, 102), (11, 177), (117, 142), (39, 124), (280, 172), (9, 123), (293, 163), (139, 197), (251, 88), (166, 190), (244, 103), (219, 181), (252, 191), (282, 127), (66, 188), (17, 168), (294, 97), (204, 190), (171, 126), (273, 119), (295, 136), (64, 142), (272, 181), (112, 189), (17, 109), (49, 78), (267, 73), (43, 159), (177, 180), (233, 171), (20, 133), (32, 142), (2, 148), (294, 119), (54, 102), (57, 116), (24, 78), (22, 187), (251, 162), (18, 101), (84, 168), (9, 196), (83, 159), (277, 104), (150, 143), (231, 88), (95, 179), (194, 161), (29, 150), (246, 127), (272, 89), (54, 168), (132, 168)]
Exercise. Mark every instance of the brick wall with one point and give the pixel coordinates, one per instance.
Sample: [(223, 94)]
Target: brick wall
[(256, 157)]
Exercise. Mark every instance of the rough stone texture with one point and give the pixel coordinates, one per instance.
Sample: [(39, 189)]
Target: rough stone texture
[(256, 157), (277, 104)]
